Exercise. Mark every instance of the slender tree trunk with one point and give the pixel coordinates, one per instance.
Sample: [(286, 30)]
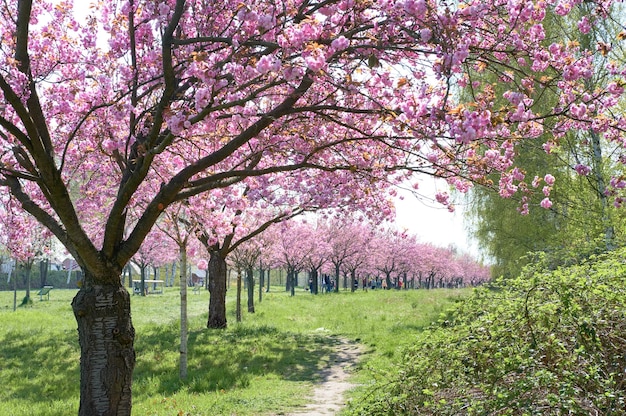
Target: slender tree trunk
[(238, 311), (269, 272), (353, 280), (173, 274), (609, 229), (43, 271), (217, 289), (183, 312), (294, 281), (129, 270), (337, 277), (143, 280), (29, 269), (250, 280), (14, 289), (106, 336), (261, 283), (315, 281)]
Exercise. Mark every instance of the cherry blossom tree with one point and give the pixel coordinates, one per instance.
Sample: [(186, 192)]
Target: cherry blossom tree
[(161, 101), (293, 250), (24, 238), (231, 226), (180, 230), (155, 251)]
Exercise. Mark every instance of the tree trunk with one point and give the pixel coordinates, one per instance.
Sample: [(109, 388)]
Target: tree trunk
[(106, 336), (261, 283), (315, 281), (129, 270), (143, 280), (238, 311), (337, 277), (173, 274), (43, 271), (353, 280), (269, 272), (14, 289), (29, 269), (183, 312), (250, 280), (609, 229), (217, 289)]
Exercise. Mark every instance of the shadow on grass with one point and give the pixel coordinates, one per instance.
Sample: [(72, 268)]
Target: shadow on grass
[(228, 359), (37, 367)]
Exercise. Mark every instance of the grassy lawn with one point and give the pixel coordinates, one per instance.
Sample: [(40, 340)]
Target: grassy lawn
[(266, 364)]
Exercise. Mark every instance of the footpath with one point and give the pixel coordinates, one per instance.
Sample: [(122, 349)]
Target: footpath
[(328, 396)]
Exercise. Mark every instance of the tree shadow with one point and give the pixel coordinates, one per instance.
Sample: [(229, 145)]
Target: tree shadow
[(228, 359), (38, 367)]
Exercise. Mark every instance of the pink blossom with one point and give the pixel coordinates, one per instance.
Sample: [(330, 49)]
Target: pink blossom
[(583, 170), (615, 88), (340, 43), (578, 111), (268, 63), (546, 203), (164, 9), (549, 179), (442, 197), (547, 147), (315, 60), (109, 145), (618, 183), (415, 7), (584, 26)]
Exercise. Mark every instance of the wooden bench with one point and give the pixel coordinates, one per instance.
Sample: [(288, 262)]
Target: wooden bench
[(45, 291)]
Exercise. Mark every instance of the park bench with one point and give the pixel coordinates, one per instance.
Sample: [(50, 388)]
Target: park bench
[(45, 291), (150, 286)]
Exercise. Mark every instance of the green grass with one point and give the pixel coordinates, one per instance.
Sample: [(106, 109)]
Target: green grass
[(266, 364)]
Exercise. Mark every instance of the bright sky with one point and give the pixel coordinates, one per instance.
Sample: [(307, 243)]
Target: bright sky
[(431, 222)]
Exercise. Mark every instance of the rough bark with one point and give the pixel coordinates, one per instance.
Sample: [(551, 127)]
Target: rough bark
[(217, 290), (106, 336)]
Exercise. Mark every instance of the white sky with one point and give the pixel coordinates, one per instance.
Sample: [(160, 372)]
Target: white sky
[(430, 221)]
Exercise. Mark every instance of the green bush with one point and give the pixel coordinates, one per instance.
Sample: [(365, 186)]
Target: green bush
[(546, 343)]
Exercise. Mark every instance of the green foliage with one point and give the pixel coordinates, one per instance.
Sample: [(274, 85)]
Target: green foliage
[(548, 342)]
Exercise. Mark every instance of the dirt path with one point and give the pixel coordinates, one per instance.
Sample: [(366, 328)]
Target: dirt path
[(328, 396)]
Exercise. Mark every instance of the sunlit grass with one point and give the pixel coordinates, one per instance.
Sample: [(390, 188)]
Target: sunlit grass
[(266, 364)]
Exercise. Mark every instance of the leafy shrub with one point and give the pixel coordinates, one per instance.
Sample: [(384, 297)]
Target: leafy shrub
[(546, 343)]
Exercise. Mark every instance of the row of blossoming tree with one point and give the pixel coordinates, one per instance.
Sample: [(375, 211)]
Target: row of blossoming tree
[(357, 254), (109, 121)]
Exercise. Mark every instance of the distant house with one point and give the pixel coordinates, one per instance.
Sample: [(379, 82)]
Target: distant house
[(198, 277), (70, 264)]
